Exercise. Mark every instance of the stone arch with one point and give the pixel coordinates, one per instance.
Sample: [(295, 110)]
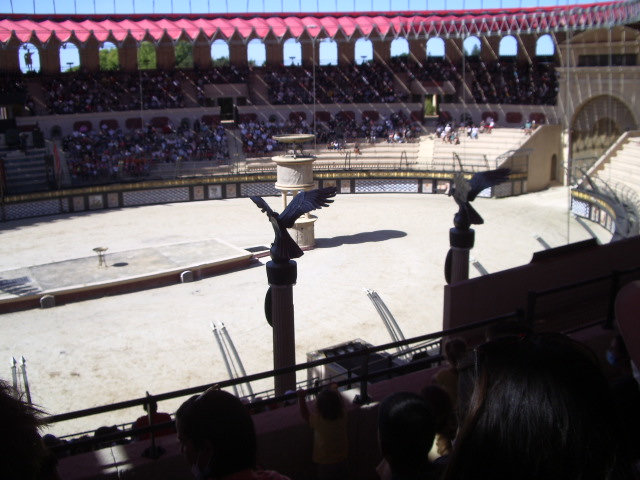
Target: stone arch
[(292, 52), (472, 47), (545, 46), (147, 58), (435, 48), (29, 58), (597, 123), (399, 47), (363, 51), (508, 46), (327, 52), (256, 52), (69, 57), (108, 56)]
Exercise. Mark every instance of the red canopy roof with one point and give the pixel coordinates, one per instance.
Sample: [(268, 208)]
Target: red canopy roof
[(375, 24)]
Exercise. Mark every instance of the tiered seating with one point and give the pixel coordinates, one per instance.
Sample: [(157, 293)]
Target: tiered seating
[(476, 154), (624, 166), (511, 83)]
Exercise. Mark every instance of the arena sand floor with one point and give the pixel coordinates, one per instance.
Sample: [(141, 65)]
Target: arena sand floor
[(115, 348)]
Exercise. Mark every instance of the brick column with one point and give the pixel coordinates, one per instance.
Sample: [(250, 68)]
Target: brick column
[(346, 52), (128, 55), (274, 51), (50, 57), (418, 50), (237, 52), (201, 54), (89, 56), (381, 51), (9, 60), (165, 55)]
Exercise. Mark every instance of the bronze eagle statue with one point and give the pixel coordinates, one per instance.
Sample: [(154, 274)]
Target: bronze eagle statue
[(465, 192), (284, 248)]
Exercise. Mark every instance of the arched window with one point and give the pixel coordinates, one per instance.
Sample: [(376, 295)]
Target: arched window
[(29, 58), (435, 47), (363, 51), (328, 52), (69, 57), (108, 56), (399, 48), (256, 53), (292, 52), (508, 47), (545, 46), (184, 54), (220, 53), (146, 56), (471, 47)]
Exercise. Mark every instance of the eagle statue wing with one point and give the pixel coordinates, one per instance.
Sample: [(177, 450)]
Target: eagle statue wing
[(259, 201), (304, 202), (482, 180)]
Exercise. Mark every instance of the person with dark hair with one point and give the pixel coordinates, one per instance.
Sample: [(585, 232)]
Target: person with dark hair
[(444, 417), (24, 455), (406, 430), (540, 409), (454, 351), (218, 439), (330, 439)]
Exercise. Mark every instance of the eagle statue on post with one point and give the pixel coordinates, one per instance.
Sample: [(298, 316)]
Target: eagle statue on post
[(284, 248)]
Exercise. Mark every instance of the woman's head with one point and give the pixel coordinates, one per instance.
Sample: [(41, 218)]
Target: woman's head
[(216, 434), (406, 429), (540, 408)]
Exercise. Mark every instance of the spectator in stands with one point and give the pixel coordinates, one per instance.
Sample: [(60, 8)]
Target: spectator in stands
[(23, 453), (455, 350), (218, 439), (406, 431), (540, 408), (445, 420), (153, 417), (330, 441)]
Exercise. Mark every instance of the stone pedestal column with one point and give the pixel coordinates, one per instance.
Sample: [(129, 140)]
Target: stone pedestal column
[(461, 242), (282, 278)]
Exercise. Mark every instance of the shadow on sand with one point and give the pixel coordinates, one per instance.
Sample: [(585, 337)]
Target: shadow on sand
[(362, 237)]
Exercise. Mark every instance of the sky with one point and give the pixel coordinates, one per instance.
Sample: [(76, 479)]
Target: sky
[(69, 57), (243, 6)]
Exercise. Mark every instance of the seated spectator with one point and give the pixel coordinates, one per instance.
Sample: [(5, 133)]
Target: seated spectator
[(406, 430), (330, 441), (24, 455), (446, 423), (153, 417), (218, 439), (455, 350), (540, 408)]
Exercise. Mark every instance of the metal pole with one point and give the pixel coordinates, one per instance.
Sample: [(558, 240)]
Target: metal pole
[(313, 66), (216, 334), (25, 380), (234, 352), (14, 374)]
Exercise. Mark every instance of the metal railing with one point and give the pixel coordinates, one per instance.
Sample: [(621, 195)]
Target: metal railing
[(414, 353), (623, 199)]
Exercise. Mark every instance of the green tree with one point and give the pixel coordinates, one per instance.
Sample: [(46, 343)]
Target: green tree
[(184, 55), (146, 56), (221, 62), (109, 59)]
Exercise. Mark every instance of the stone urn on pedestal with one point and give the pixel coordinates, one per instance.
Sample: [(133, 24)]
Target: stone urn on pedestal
[(295, 174)]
